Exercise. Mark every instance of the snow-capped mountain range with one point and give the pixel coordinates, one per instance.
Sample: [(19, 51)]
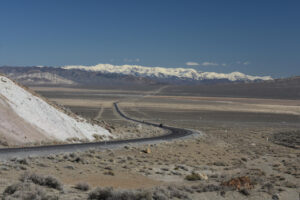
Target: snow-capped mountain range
[(163, 73)]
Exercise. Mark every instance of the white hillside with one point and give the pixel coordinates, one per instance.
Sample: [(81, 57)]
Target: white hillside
[(48, 121), (160, 72)]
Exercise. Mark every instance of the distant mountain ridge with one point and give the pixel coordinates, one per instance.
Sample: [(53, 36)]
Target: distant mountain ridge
[(284, 88), (166, 73), (108, 76), (41, 78), (56, 76)]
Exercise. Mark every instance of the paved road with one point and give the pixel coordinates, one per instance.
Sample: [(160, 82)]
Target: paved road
[(173, 133)]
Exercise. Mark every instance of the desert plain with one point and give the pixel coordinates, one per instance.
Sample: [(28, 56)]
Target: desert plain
[(246, 148)]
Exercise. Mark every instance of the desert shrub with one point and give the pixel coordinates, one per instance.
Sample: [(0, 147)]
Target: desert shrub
[(48, 181), (176, 192), (160, 194), (290, 184), (82, 186), (11, 189), (101, 194), (209, 188), (79, 160), (219, 163), (26, 191), (69, 167), (52, 182), (111, 173), (75, 157), (110, 194), (97, 137), (73, 139), (23, 161), (193, 177), (3, 143), (170, 192), (92, 151)]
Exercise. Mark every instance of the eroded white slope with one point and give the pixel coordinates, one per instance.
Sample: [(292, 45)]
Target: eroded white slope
[(51, 121), (160, 72), (14, 130)]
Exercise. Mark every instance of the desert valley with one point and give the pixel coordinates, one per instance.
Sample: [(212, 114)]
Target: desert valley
[(241, 147)]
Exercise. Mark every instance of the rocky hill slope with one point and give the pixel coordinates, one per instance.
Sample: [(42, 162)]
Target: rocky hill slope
[(26, 117)]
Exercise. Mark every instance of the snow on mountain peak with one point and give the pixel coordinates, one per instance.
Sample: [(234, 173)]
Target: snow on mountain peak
[(160, 72), (47, 121)]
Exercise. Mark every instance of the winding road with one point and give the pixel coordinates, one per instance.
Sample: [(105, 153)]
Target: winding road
[(173, 133)]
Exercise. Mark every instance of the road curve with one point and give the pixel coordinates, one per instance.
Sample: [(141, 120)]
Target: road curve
[(173, 133)]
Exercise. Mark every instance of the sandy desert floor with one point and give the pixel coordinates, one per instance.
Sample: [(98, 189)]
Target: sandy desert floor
[(249, 149)]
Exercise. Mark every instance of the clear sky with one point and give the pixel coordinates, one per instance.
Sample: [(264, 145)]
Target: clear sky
[(255, 37)]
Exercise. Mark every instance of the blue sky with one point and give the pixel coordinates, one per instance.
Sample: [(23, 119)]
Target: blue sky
[(254, 37)]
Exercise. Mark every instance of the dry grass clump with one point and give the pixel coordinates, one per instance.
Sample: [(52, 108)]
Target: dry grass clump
[(26, 191), (111, 194), (82, 186), (48, 181)]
